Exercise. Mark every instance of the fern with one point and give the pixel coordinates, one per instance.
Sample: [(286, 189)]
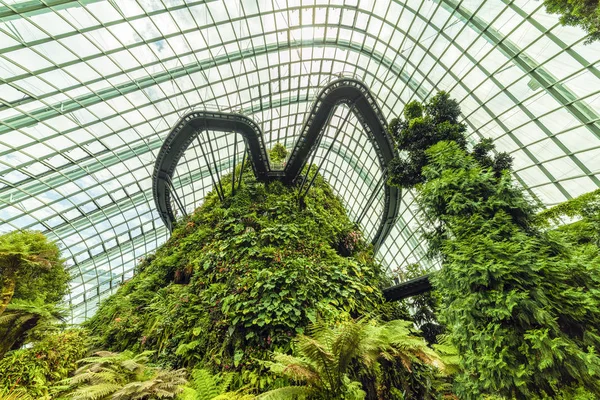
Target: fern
[(24, 320), (206, 386), (14, 395), (124, 376), (324, 362)]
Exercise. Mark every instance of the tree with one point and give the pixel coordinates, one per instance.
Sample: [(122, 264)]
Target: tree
[(326, 362), (24, 321), (422, 127), (521, 310), (520, 306), (582, 13), (30, 268), (123, 376)]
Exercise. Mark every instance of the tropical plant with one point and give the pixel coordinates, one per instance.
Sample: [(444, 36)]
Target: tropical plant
[(30, 268), (522, 309), (582, 13), (123, 376), (278, 153), (24, 321), (330, 363), (36, 369), (14, 396), (206, 386)]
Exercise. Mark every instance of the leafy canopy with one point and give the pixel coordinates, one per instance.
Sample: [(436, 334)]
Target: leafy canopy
[(278, 153), (521, 307), (30, 269), (33, 280), (581, 13)]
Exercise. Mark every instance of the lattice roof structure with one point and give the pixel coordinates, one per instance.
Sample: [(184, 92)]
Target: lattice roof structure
[(90, 89)]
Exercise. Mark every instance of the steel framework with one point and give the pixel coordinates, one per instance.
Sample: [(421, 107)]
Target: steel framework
[(90, 89)]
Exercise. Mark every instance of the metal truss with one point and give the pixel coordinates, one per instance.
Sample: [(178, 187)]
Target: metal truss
[(339, 91), (90, 90)]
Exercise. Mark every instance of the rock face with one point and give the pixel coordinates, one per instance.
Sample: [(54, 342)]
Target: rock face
[(240, 278)]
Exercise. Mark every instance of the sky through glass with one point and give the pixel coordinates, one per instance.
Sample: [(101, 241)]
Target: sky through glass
[(89, 89)]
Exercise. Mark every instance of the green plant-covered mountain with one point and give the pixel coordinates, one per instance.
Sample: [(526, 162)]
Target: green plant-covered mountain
[(242, 277), (221, 309), (238, 281)]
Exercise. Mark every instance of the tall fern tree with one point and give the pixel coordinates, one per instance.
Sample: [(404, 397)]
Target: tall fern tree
[(329, 363), (522, 308)]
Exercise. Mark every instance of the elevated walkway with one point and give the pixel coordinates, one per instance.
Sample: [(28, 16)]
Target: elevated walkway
[(347, 91)]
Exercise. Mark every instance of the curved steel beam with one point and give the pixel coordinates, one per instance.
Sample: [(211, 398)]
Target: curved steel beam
[(340, 91), (180, 137), (356, 95)]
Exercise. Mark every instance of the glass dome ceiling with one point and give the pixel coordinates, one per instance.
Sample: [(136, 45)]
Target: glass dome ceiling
[(89, 89)]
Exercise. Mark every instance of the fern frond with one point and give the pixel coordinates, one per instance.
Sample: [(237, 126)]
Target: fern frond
[(131, 365), (288, 392), (95, 392), (317, 353), (225, 382), (16, 395), (346, 344), (205, 384)]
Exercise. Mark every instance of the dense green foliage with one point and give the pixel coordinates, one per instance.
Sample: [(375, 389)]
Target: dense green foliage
[(424, 126), (521, 307), (30, 269), (123, 376), (33, 280), (386, 360), (522, 310), (582, 13), (240, 278), (278, 153), (35, 370)]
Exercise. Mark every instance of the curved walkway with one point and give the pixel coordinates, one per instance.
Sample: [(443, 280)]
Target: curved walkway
[(341, 91), (178, 140), (356, 95)]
